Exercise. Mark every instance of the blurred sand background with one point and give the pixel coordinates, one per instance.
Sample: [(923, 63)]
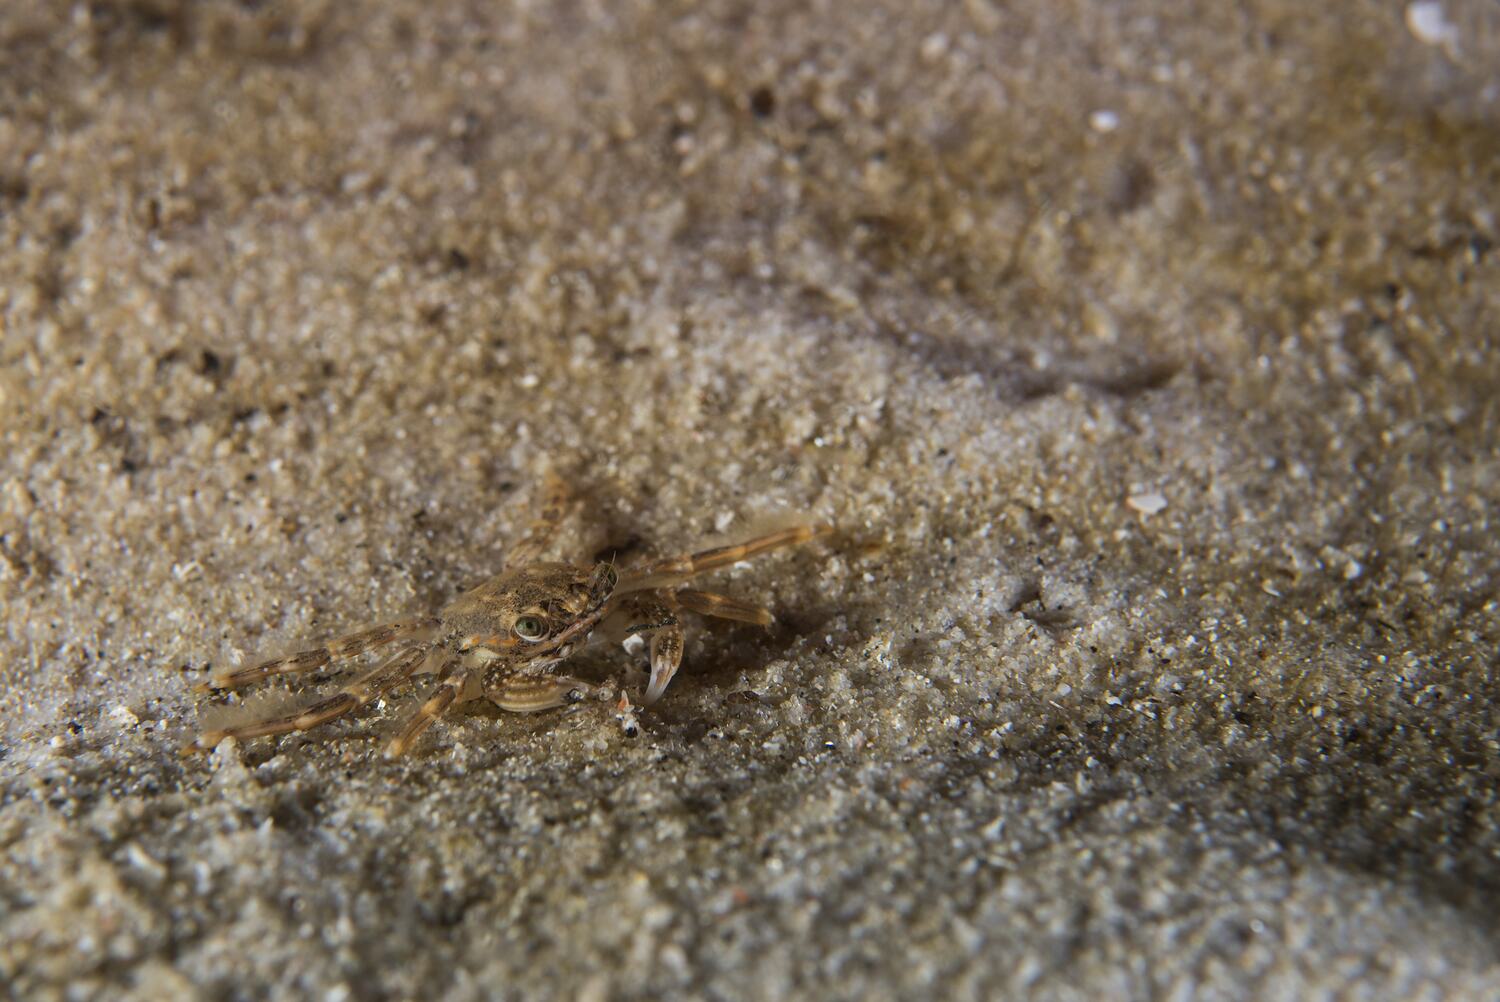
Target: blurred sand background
[(1143, 352)]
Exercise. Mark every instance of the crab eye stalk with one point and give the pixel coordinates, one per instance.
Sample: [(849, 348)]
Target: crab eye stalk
[(532, 628)]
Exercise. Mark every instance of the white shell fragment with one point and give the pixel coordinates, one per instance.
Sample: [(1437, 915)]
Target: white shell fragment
[(1429, 24), (1147, 504), (1104, 120)]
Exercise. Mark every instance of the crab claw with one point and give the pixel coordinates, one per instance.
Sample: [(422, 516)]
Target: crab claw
[(666, 656), (659, 680)]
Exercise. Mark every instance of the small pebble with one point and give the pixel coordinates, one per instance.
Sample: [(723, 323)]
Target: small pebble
[(1104, 120)]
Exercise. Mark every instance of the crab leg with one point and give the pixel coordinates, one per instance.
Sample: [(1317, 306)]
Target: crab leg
[(450, 692), (344, 647), (673, 570), (350, 697), (555, 503), (710, 603)]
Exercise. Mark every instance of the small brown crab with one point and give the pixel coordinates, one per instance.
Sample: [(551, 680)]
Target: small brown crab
[(502, 640)]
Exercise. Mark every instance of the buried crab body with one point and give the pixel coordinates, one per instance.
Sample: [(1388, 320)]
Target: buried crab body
[(502, 640), (540, 613)]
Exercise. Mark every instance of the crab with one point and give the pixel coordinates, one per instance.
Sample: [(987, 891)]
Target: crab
[(504, 640)]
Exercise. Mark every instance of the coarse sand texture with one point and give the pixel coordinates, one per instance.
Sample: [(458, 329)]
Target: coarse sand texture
[(1143, 355)]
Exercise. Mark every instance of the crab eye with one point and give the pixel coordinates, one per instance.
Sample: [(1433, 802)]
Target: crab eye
[(531, 628)]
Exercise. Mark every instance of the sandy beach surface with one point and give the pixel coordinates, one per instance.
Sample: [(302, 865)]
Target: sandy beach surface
[(1144, 355)]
